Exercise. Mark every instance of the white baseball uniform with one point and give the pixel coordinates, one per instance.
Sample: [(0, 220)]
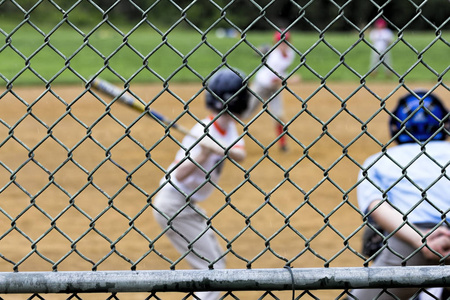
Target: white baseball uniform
[(414, 183), (423, 172), (381, 39), (263, 85), (176, 204)]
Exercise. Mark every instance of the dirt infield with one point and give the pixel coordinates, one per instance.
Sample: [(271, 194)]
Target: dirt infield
[(297, 206)]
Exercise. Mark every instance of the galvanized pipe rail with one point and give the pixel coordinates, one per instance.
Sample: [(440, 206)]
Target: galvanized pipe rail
[(219, 280)]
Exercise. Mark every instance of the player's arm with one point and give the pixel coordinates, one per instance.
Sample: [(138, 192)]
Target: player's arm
[(236, 152), (390, 219), (276, 81), (188, 167), (207, 146)]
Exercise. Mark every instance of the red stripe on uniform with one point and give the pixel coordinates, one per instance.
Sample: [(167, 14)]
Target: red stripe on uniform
[(221, 130)]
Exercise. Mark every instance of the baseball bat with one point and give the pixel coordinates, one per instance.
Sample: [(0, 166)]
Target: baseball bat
[(125, 98)]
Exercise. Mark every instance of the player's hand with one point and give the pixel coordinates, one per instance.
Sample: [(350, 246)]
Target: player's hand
[(439, 241), (212, 146), (295, 79), (238, 153), (235, 153)]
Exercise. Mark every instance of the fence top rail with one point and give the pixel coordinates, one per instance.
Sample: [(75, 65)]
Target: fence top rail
[(219, 280)]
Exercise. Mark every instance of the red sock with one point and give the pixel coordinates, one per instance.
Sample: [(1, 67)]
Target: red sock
[(279, 131)]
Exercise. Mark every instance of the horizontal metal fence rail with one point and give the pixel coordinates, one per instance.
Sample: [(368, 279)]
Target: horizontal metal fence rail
[(222, 280)]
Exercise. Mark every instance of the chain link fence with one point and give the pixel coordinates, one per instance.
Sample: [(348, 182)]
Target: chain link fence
[(80, 171)]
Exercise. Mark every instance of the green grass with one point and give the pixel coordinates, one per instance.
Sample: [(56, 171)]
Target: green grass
[(65, 55)]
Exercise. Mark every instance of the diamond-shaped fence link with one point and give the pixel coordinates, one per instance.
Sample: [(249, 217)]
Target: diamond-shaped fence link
[(80, 171)]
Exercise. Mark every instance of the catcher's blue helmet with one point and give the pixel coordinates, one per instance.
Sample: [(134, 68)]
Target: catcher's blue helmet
[(226, 89), (422, 121)]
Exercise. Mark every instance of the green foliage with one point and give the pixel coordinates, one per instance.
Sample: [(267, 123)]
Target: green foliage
[(305, 15), (65, 55)]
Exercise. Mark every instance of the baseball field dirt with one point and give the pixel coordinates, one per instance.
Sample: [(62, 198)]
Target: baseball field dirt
[(77, 180)]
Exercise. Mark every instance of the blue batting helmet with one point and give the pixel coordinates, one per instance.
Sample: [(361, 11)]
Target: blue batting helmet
[(226, 89), (423, 121)]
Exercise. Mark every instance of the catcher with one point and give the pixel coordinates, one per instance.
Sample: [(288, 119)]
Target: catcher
[(406, 183)]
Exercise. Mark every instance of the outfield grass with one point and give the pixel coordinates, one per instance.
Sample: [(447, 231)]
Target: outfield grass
[(144, 55)]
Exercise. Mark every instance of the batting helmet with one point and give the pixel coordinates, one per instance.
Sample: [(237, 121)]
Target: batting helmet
[(423, 121), (226, 90)]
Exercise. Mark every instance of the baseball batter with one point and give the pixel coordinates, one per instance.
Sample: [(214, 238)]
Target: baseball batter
[(268, 81), (197, 167)]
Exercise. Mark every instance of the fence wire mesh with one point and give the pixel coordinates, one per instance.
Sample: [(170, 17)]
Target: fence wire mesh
[(79, 171)]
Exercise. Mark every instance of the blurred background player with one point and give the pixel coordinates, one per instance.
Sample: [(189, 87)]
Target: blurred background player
[(381, 37), (197, 165), (268, 81), (407, 181)]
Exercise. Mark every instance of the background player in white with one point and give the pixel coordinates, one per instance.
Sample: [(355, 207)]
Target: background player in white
[(381, 37), (407, 181), (197, 165), (268, 81)]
